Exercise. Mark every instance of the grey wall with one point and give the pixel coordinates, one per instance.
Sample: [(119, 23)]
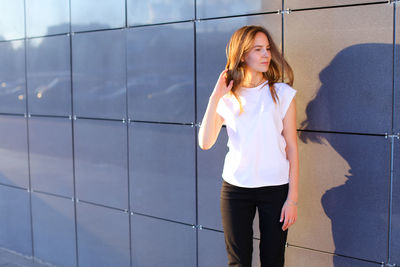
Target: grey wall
[(99, 107)]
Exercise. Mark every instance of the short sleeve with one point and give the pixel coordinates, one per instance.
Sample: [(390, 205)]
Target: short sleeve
[(286, 95), (221, 108)]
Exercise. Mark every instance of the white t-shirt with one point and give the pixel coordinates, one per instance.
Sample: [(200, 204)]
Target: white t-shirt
[(256, 155)]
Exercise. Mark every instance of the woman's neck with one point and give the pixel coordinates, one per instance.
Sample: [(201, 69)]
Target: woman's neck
[(252, 79)]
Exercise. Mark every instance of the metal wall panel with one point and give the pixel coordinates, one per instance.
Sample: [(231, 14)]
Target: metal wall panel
[(210, 164), (44, 17), (99, 74), (161, 243), (13, 151), (299, 257), (211, 39), (12, 77), (212, 253), (162, 171), (15, 223), (101, 162), (396, 115), (329, 50), (53, 223), (103, 236), (169, 91), (12, 20), (94, 15), (342, 199), (395, 238), (49, 75), (50, 155), (211, 247), (142, 12), (296, 4), (220, 8)]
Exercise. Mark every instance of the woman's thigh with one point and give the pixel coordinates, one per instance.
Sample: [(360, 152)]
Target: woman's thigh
[(272, 237), (238, 210)]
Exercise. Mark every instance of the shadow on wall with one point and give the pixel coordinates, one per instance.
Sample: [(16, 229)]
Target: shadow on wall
[(355, 97)]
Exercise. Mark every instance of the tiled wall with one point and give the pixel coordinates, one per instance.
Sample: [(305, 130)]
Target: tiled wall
[(99, 109)]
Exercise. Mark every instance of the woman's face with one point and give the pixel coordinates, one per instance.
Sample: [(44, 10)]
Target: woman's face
[(260, 55)]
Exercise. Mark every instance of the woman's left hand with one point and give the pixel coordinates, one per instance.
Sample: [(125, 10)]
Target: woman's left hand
[(288, 215)]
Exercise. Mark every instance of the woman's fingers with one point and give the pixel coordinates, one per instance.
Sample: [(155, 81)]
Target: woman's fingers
[(282, 214), (223, 74), (287, 223), (288, 218), (230, 85), (284, 218), (220, 87)]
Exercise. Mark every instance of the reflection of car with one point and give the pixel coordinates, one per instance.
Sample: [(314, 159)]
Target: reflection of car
[(90, 85), (40, 83), (12, 77), (152, 85), (12, 96), (14, 87), (161, 98), (49, 92)]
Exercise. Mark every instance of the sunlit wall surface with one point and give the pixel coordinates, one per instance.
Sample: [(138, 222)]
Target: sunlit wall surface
[(100, 103)]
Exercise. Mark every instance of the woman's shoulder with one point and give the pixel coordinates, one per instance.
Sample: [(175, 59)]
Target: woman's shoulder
[(228, 97), (226, 100), (227, 103), (284, 88)]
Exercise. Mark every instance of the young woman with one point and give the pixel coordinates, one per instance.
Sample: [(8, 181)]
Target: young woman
[(261, 167)]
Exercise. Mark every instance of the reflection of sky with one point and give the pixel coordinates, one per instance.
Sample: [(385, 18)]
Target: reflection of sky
[(154, 11), (111, 13), (36, 42), (44, 14), (17, 45), (240, 5), (12, 21)]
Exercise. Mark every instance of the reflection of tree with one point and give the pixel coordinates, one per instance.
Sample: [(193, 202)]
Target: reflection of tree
[(355, 96)]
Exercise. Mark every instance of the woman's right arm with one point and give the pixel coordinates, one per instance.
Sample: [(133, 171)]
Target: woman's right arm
[(212, 121)]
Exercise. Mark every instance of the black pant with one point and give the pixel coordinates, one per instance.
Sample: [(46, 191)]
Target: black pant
[(238, 207)]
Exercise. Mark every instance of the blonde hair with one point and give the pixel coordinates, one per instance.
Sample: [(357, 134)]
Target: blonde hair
[(241, 42)]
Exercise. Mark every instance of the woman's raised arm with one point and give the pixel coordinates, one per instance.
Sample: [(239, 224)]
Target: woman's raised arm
[(212, 121)]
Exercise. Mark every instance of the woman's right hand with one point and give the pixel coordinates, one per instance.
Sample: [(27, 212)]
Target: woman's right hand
[(220, 88)]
